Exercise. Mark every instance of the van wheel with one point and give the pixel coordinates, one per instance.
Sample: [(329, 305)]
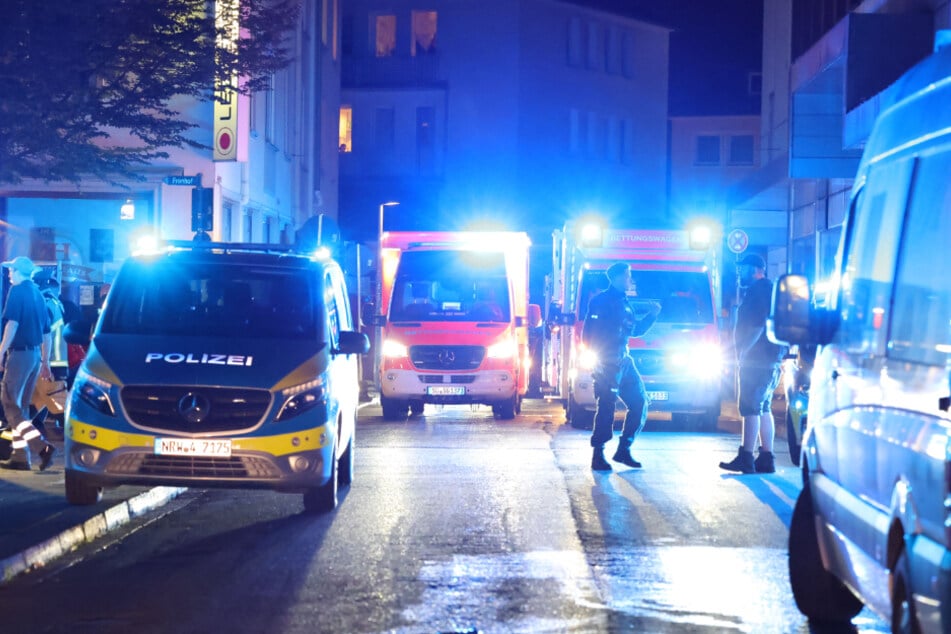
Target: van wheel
[(79, 492), (904, 619), (819, 594), (323, 499), (393, 409), (416, 408), (345, 468), (578, 416), (505, 409)]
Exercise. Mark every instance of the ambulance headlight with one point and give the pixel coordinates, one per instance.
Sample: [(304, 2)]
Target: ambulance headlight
[(94, 392), (503, 350), (301, 398), (587, 359), (394, 349), (704, 361)]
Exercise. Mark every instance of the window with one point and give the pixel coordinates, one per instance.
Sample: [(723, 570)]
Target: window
[(614, 140), (575, 38), (628, 55), (333, 316), (227, 208), (345, 137), (921, 332), (595, 56), (248, 226), (384, 28), (425, 137), (741, 149), (708, 150), (613, 51), (574, 131), (592, 137), (424, 33), (870, 263)]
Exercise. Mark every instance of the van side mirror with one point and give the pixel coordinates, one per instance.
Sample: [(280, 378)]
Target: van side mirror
[(793, 319), (534, 316), (353, 343)]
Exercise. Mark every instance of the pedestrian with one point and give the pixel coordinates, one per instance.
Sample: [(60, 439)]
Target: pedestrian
[(758, 367), (610, 322), (24, 356)]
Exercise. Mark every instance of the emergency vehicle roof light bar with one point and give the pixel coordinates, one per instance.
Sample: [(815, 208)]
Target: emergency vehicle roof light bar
[(259, 247)]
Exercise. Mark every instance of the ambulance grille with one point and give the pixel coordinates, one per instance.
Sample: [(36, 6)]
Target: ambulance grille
[(194, 409), (446, 357), (648, 362), (234, 467), (453, 378)]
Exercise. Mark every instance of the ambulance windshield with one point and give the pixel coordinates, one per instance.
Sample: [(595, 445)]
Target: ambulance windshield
[(451, 286), (684, 296), (212, 300)]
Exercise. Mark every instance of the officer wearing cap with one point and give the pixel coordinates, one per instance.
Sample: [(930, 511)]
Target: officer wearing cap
[(610, 322), (758, 363), (24, 356)]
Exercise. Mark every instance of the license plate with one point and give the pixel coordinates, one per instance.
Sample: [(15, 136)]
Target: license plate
[(658, 396), (192, 447), (446, 390)]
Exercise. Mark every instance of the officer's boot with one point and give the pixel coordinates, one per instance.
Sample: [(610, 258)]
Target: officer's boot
[(764, 462), (623, 453), (742, 463), (598, 462)]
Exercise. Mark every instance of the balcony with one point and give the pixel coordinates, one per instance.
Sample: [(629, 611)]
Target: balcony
[(372, 72)]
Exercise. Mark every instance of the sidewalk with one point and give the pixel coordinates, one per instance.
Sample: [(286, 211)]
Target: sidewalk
[(37, 525)]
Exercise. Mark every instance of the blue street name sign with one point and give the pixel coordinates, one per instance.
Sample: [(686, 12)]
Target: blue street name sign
[(191, 181)]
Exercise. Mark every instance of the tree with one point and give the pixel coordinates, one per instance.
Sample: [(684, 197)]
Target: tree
[(87, 86)]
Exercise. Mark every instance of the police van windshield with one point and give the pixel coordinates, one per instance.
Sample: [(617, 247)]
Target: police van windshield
[(222, 300), (684, 296), (450, 286)]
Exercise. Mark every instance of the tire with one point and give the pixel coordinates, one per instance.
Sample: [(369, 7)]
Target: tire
[(505, 409), (795, 449), (393, 409), (79, 492), (416, 408), (345, 467), (323, 499), (819, 594), (904, 619), (578, 416)]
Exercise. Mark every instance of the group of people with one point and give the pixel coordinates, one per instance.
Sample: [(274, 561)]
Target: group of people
[(611, 320)]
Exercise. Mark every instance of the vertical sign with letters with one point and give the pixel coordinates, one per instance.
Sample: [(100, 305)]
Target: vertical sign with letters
[(226, 97)]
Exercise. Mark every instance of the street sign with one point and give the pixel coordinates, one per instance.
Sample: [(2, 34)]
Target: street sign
[(737, 241), (190, 181)]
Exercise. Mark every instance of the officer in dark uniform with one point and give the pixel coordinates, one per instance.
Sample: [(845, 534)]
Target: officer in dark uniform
[(610, 322)]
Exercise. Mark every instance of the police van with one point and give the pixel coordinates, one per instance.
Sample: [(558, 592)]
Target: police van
[(872, 524), (218, 365)]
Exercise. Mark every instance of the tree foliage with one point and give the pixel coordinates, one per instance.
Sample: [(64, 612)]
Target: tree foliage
[(87, 87)]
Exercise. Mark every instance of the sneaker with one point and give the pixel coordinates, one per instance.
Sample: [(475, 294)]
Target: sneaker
[(743, 462), (764, 462), (598, 463), (624, 457), (46, 457)]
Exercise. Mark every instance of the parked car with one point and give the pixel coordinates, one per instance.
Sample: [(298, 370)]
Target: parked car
[(871, 525)]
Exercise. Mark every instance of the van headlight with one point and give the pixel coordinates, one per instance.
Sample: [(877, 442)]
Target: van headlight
[(503, 350), (587, 358), (704, 361), (94, 392), (301, 398), (393, 349)]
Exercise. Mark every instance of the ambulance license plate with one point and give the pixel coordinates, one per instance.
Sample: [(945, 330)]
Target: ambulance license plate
[(446, 390), (658, 396), (202, 447)]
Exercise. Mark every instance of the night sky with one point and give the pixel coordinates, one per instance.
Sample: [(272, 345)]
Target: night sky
[(713, 46)]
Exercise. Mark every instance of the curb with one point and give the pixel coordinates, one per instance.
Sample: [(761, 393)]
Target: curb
[(90, 530)]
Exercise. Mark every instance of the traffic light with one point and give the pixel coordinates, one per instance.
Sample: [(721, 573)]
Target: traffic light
[(203, 199)]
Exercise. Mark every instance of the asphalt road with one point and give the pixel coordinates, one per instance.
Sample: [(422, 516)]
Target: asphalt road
[(455, 522)]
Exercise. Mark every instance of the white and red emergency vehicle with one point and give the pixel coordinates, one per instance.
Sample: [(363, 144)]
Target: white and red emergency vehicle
[(455, 315), (679, 358)]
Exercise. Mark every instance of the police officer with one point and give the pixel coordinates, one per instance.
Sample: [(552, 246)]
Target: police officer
[(610, 322), (24, 355)]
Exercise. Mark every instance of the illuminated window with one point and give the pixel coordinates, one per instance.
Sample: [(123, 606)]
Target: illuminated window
[(424, 33), (385, 30), (346, 129)]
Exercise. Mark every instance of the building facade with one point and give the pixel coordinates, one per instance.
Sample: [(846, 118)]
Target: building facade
[(511, 113)]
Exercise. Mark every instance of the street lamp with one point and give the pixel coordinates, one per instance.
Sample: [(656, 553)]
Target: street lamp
[(378, 331)]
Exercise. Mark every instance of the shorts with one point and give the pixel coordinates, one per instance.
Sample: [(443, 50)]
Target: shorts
[(757, 384)]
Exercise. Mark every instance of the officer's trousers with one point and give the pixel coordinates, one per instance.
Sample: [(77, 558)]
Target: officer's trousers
[(613, 380)]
